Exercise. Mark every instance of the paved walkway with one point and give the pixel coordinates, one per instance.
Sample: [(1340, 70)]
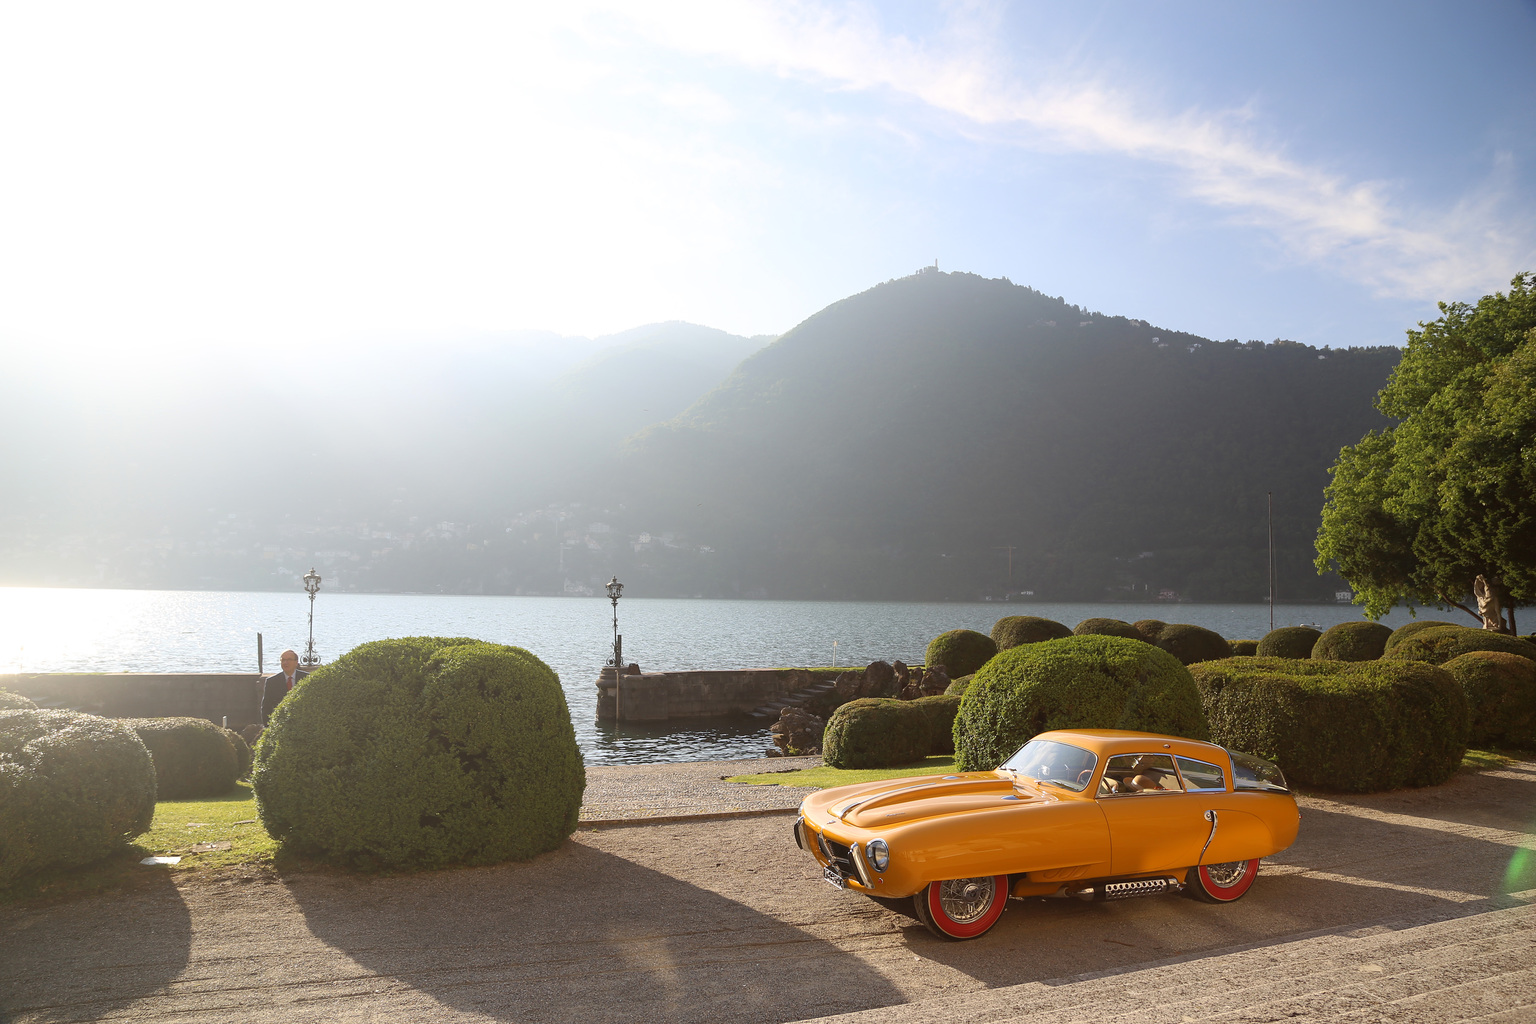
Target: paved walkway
[(695, 789)]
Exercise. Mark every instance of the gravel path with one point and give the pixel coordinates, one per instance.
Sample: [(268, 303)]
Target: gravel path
[(624, 793)]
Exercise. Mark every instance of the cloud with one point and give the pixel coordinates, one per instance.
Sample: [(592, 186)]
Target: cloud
[(1218, 158)]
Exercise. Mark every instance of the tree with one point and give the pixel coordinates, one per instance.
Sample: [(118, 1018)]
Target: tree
[(1443, 505)]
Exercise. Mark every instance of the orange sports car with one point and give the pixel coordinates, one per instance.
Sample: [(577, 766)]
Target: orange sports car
[(1096, 813)]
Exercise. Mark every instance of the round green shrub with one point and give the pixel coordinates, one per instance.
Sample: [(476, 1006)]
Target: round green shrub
[(1150, 629), (1107, 627), (940, 711), (876, 732), (193, 757), (1355, 726), (1442, 643), (15, 702), (420, 753), (1086, 682), (957, 687), (242, 749), (1402, 633), (960, 651), (1501, 696), (1352, 641), (1193, 643), (1289, 642), (73, 788), (1245, 648), (1013, 630)]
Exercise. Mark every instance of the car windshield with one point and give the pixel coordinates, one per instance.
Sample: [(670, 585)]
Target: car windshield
[(1056, 764)]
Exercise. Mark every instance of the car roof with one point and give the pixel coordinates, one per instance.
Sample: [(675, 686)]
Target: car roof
[(1107, 742)]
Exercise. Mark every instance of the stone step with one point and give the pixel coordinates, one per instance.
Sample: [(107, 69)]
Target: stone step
[(1475, 967)]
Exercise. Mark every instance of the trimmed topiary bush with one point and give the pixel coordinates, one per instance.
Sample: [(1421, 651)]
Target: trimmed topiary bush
[(1244, 648), (876, 732), (957, 687), (1501, 697), (960, 651), (242, 749), (73, 789), (15, 702), (1193, 643), (1289, 642), (1354, 726), (1442, 643), (1107, 627), (1089, 682), (1352, 641), (1013, 630), (1150, 629), (1402, 633), (420, 753), (940, 711), (192, 756)]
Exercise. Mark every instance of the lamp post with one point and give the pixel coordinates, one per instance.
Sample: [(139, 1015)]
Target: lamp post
[(311, 587), (615, 591)]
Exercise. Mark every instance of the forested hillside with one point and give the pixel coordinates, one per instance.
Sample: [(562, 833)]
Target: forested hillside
[(897, 443)]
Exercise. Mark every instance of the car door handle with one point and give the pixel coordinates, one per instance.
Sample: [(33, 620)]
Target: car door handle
[(1210, 816)]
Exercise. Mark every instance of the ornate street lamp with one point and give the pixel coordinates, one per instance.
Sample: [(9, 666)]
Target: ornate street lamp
[(312, 587), (615, 591)]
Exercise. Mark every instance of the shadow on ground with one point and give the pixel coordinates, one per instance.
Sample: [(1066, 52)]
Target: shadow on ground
[(589, 936), (85, 959)]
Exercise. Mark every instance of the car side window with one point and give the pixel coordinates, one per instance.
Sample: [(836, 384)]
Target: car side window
[(1200, 776), (1127, 774)]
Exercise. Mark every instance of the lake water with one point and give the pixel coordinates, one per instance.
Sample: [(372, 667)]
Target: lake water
[(61, 630)]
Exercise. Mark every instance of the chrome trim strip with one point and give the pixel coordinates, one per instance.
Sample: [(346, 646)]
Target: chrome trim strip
[(1210, 816), (800, 833), (857, 856)]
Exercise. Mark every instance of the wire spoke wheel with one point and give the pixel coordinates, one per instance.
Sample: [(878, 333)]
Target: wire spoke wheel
[(962, 908), (1222, 883)]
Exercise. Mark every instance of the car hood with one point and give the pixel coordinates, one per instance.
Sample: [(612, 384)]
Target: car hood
[(899, 800)]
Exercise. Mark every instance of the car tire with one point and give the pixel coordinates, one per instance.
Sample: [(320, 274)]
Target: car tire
[(1221, 883), (962, 908)]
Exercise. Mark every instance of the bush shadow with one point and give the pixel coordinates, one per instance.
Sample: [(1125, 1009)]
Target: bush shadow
[(84, 959), (581, 934)]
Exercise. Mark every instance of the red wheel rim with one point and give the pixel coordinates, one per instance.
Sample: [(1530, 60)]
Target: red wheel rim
[(969, 925), (1226, 882)]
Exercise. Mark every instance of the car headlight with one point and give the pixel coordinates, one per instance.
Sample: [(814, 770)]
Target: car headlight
[(879, 854)]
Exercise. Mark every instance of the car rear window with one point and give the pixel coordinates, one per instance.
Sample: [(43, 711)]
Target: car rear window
[(1249, 772)]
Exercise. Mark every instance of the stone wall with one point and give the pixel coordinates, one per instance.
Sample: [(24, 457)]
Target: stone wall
[(658, 696), (210, 695)]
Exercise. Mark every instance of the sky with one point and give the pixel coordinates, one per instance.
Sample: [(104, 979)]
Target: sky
[(187, 180)]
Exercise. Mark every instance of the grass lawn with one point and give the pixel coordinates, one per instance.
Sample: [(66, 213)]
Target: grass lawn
[(212, 836), (825, 778)]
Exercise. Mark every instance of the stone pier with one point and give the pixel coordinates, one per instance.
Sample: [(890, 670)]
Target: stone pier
[(658, 696)]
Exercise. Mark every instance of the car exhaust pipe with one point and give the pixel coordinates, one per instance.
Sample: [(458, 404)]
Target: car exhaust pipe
[(1125, 890)]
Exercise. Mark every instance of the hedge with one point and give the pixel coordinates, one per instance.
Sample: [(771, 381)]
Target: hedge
[(15, 702), (876, 732), (1402, 633), (1352, 641), (422, 752), (957, 687), (1442, 643), (1353, 726), (1193, 643), (1244, 648), (1013, 630), (1149, 629), (960, 651), (1501, 697), (73, 789), (1106, 627), (940, 711), (193, 758), (1091, 682), (242, 749), (1289, 642)]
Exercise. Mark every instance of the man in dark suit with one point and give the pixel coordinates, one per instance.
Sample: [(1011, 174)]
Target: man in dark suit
[(279, 683)]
